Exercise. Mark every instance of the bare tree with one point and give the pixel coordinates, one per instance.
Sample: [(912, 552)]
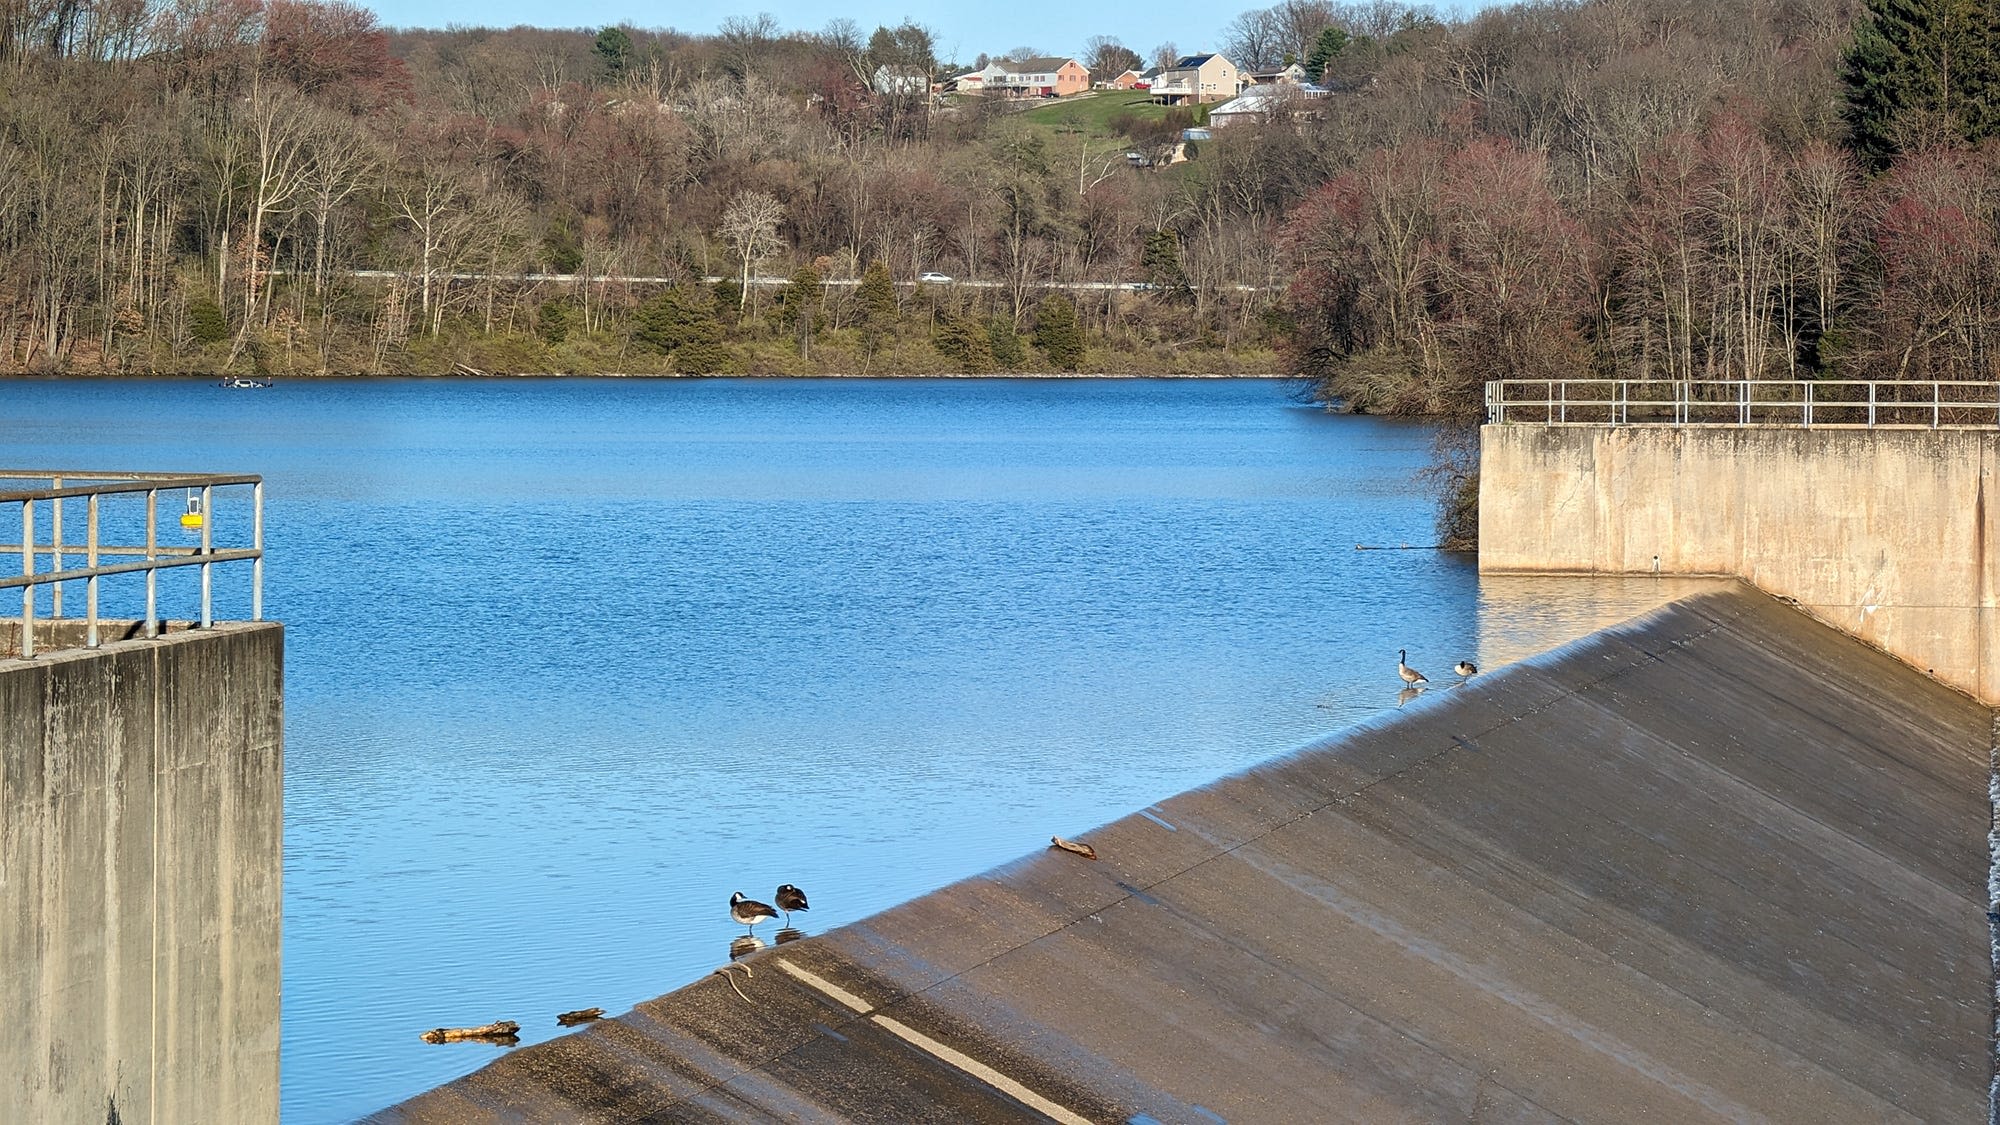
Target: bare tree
[(1252, 39), (281, 127), (750, 227), (1107, 58)]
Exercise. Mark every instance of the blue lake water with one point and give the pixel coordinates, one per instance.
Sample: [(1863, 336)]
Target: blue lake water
[(568, 661)]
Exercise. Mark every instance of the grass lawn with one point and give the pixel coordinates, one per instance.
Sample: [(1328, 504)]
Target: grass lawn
[(1091, 113)]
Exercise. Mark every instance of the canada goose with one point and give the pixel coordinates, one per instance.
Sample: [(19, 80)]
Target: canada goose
[(1410, 675), (748, 912), (791, 898), (1466, 669)]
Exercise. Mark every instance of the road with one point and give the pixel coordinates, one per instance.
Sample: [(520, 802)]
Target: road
[(574, 278)]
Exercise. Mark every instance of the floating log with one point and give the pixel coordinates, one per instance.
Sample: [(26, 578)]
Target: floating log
[(581, 1015), (1084, 850), (493, 1032)]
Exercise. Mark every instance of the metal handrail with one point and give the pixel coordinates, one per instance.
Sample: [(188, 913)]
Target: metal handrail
[(1814, 403), (151, 558)]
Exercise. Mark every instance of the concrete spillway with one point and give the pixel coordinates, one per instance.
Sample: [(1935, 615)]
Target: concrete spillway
[(1722, 862)]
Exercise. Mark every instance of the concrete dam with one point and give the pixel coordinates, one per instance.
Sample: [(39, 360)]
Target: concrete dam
[(1728, 860), (1720, 863)]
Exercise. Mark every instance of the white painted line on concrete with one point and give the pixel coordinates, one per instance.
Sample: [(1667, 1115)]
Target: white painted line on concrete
[(982, 1072), (824, 985), (916, 1038)]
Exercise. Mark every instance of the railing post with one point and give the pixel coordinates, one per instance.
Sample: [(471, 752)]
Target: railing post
[(1936, 399), (1808, 413), (90, 584), (1871, 404), (28, 569), (152, 555), (257, 544), (1549, 397), (1494, 413), (55, 549), (1563, 410), (207, 549)]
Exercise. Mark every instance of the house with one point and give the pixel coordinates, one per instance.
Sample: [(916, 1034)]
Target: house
[(1199, 78), (975, 81), (893, 80), (1049, 76), (1290, 75), (1130, 80), (1267, 102)]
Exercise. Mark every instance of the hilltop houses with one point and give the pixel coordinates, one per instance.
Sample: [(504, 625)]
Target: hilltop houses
[(1050, 76)]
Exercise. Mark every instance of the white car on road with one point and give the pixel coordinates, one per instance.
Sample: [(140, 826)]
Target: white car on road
[(935, 278)]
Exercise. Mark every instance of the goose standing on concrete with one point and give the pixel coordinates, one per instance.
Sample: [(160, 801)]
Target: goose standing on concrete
[(748, 912), (791, 898), (1410, 675), (1466, 669)]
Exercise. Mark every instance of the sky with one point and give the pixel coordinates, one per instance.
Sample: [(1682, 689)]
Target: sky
[(963, 30)]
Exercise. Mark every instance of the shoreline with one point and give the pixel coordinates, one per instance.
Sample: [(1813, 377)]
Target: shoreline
[(332, 376)]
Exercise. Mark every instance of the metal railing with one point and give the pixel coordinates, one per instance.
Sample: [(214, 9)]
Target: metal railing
[(1904, 404), (52, 492)]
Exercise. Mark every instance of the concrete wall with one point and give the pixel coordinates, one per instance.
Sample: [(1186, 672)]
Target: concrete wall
[(1883, 533), (141, 812)]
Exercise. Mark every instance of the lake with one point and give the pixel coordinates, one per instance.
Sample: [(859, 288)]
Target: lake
[(570, 660)]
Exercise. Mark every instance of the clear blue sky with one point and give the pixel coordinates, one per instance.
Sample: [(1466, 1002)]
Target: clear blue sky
[(963, 30)]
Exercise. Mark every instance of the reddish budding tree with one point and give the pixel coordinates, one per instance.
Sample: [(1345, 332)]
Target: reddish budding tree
[(333, 49), (1510, 265), (1940, 267)]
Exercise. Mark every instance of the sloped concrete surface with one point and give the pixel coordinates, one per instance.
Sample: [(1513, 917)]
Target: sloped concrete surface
[(1720, 863)]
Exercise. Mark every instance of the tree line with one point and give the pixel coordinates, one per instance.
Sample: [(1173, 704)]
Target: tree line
[(194, 185), (1554, 188), (1660, 190)]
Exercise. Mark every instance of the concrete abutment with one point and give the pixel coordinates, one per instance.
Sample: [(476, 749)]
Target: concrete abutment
[(141, 821), (1884, 533)]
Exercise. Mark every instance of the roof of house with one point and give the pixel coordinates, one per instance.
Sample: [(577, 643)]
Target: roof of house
[(1252, 99), (1190, 61), (1045, 62)]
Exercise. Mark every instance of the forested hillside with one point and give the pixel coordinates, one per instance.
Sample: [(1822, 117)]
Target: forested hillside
[(1726, 187)]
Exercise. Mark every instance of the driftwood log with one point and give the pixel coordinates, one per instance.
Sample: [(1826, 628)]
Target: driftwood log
[(496, 1031), (581, 1015), (1084, 850)]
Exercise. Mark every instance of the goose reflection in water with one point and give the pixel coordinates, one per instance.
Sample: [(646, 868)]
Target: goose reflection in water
[(1407, 694), (744, 946), (789, 934)]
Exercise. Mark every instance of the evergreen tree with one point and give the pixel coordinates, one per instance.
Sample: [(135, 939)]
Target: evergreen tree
[(1008, 354), (1057, 332), (877, 295), (964, 342), (680, 323), (1331, 42), (206, 323), (1161, 260), (799, 308), (552, 321), (1923, 70), (614, 50)]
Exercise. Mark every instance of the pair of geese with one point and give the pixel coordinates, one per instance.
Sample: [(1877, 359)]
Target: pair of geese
[(747, 912), (1466, 669)]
